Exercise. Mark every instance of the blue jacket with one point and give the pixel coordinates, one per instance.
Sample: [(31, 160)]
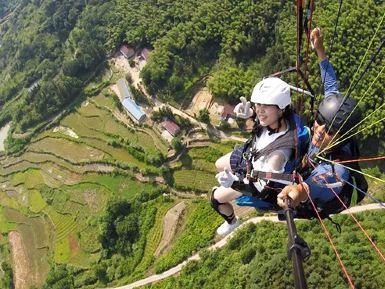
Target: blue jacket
[(322, 181)]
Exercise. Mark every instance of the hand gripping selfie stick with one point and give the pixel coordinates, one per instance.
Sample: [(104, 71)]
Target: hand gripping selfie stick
[(298, 250)]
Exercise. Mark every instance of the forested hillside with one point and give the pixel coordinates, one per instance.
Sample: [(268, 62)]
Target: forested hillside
[(257, 258), (50, 49), (6, 6)]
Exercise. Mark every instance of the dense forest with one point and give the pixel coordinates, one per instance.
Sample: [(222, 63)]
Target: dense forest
[(6, 6), (51, 49)]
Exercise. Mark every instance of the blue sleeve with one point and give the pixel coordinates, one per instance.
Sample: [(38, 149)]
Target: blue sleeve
[(324, 183), (329, 78)]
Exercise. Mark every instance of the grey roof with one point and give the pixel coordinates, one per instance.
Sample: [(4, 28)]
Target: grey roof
[(133, 109), (123, 88)]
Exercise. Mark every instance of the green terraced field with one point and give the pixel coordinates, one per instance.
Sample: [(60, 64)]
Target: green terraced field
[(30, 179), (19, 166), (120, 186), (54, 183), (67, 149), (99, 140), (75, 122), (154, 236), (93, 196), (102, 121), (5, 225), (36, 202), (104, 101), (194, 180), (64, 226)]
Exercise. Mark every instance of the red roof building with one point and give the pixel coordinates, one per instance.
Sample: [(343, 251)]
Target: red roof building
[(171, 127), (227, 112), (145, 54), (127, 51)]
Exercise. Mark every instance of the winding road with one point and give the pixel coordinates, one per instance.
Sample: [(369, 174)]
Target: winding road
[(223, 242)]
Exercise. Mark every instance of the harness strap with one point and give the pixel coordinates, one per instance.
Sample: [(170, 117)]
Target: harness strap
[(282, 142), (277, 177)]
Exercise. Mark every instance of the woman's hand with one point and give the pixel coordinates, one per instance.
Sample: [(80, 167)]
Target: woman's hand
[(243, 109), (226, 178)]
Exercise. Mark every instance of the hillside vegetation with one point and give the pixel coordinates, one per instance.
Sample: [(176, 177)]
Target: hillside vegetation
[(257, 258), (50, 49), (87, 189), (93, 206)]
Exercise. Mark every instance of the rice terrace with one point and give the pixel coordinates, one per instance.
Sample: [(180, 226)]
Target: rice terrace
[(59, 186)]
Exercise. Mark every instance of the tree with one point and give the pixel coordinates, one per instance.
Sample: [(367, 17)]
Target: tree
[(204, 115), (177, 144), (119, 228)]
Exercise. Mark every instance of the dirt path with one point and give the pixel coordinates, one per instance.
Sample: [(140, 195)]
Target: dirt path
[(223, 242), (170, 223), (3, 135), (21, 273)]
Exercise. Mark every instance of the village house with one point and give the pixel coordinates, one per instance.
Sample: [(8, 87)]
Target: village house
[(171, 129), (126, 97), (127, 51), (144, 54), (124, 89), (134, 111)]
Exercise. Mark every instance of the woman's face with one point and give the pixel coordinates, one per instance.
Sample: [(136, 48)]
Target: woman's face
[(320, 136), (268, 115)]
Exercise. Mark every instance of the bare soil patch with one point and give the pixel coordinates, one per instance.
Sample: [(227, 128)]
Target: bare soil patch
[(66, 131), (74, 246), (202, 99), (170, 224), (122, 64), (21, 273)]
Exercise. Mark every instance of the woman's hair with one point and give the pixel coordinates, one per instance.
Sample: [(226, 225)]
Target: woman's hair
[(287, 112)]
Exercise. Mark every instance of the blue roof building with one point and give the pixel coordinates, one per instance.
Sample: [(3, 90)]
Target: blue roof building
[(134, 110)]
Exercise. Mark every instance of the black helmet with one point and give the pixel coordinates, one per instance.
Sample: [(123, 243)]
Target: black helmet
[(343, 110)]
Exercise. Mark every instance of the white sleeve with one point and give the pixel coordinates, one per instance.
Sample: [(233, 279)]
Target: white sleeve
[(274, 162)]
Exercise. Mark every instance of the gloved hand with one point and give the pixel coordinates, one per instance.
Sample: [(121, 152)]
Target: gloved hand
[(226, 178), (243, 109), (260, 184)]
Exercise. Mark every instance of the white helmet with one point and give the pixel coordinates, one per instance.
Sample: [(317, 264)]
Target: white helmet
[(272, 91)]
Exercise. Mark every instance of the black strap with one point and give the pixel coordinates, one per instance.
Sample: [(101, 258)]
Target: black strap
[(255, 175), (338, 226)]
